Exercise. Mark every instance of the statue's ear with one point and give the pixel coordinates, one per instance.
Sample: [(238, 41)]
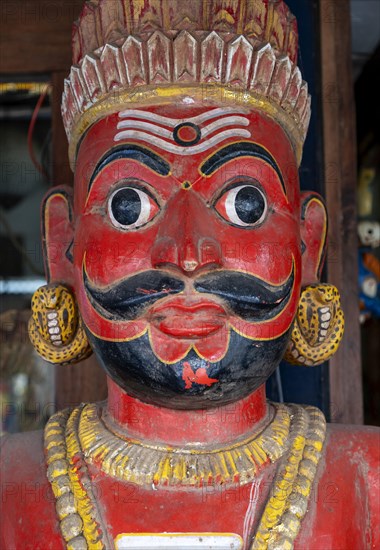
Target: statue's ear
[(313, 237), (58, 235)]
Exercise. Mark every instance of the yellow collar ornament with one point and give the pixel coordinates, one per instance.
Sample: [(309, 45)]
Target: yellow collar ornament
[(292, 440)]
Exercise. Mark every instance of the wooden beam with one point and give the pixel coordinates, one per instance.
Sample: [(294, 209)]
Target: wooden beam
[(340, 185), (35, 35)]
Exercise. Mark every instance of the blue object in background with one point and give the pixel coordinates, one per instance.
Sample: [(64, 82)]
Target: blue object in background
[(371, 304)]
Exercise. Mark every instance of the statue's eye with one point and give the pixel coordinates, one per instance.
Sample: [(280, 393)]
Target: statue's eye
[(130, 208), (243, 205)]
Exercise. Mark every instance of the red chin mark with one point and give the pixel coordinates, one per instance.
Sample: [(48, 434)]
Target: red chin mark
[(198, 377), (169, 349)]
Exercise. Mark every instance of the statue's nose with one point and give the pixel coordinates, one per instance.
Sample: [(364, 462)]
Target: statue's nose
[(187, 237)]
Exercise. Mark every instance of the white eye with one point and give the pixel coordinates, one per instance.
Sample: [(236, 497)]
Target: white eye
[(130, 208), (244, 205)]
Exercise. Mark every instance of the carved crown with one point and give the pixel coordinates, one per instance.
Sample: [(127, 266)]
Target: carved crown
[(133, 50)]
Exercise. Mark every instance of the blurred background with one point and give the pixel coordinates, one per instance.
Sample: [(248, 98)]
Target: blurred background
[(340, 59)]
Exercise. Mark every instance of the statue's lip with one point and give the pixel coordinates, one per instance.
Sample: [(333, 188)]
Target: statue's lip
[(187, 317), (188, 304)]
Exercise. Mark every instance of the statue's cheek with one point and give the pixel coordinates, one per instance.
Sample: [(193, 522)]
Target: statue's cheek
[(110, 253)]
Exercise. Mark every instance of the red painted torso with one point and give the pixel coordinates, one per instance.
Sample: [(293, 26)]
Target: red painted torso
[(343, 509)]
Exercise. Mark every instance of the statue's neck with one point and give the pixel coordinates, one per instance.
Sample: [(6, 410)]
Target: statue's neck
[(177, 427)]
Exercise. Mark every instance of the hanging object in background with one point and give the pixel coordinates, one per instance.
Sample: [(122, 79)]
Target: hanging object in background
[(369, 184), (369, 234)]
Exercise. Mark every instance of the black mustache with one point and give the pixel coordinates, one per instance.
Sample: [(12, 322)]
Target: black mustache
[(127, 298), (247, 296)]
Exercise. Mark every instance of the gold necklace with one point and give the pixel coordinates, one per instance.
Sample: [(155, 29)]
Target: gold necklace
[(141, 463), (73, 438)]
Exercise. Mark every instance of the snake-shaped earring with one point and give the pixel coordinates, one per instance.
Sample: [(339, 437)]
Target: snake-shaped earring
[(318, 327), (56, 328)]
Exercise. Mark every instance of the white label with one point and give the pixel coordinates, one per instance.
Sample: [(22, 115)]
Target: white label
[(184, 541)]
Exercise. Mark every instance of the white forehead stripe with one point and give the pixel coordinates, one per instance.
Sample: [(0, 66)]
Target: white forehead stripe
[(168, 134), (177, 149), (141, 125), (155, 129), (223, 122)]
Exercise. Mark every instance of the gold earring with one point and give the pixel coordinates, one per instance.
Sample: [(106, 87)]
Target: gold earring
[(56, 328), (318, 326)]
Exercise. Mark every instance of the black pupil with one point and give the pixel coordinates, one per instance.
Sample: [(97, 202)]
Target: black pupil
[(126, 206), (249, 204)]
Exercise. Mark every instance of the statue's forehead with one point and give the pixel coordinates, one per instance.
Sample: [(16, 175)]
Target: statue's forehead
[(185, 135)]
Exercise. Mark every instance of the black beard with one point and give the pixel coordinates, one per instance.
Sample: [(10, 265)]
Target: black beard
[(137, 370)]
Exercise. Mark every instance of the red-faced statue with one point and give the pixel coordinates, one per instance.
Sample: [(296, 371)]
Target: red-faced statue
[(186, 258)]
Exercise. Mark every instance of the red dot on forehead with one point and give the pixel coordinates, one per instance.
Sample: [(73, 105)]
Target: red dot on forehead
[(187, 133)]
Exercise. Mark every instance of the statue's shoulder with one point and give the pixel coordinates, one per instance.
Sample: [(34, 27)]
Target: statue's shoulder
[(353, 453), (344, 507), (354, 441), (28, 518)]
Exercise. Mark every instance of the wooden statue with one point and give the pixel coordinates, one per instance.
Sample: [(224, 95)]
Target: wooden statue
[(188, 260)]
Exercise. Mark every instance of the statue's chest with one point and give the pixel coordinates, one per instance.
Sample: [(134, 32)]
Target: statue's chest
[(213, 517), (115, 491)]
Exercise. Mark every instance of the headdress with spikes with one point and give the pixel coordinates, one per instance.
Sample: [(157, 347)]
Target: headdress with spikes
[(157, 51)]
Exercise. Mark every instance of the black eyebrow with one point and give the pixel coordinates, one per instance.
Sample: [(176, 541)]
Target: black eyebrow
[(134, 152), (236, 150)]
